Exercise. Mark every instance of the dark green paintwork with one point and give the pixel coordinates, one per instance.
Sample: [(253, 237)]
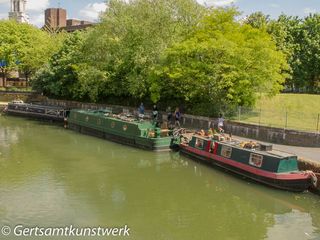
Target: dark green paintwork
[(272, 161), (136, 131)]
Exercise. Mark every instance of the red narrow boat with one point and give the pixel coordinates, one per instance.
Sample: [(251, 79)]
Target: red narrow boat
[(256, 161)]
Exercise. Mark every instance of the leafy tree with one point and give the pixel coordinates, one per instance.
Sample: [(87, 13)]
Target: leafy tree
[(286, 32), (299, 40), (68, 76), (59, 77), (309, 54), (23, 47), (9, 44), (258, 20), (223, 63), (36, 48), (131, 38)]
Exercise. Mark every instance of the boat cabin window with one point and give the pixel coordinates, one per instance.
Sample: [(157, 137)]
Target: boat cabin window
[(256, 160), (199, 143), (288, 165), (226, 151), (212, 147)]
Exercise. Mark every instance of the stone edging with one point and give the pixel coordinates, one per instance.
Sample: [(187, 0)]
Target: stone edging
[(262, 133)]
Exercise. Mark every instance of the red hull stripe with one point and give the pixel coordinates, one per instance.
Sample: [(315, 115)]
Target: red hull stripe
[(253, 170)]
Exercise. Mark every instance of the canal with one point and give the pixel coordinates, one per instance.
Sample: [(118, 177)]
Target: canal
[(52, 177)]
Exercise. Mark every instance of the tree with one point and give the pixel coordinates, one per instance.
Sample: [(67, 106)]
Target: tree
[(258, 20), (36, 48), (309, 54), (132, 37), (67, 75), (23, 47), (9, 44), (223, 63), (59, 76), (286, 32)]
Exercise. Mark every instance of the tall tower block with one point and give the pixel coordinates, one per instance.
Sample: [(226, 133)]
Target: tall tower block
[(55, 17), (18, 11)]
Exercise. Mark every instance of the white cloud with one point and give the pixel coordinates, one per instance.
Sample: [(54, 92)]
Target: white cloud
[(3, 15), (218, 3), (308, 10), (4, 1), (37, 19), (35, 11), (36, 5), (92, 10)]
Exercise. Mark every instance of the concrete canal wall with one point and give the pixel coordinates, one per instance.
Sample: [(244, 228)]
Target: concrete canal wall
[(274, 135), (262, 133)]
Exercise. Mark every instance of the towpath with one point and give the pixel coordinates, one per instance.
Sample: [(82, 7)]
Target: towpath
[(301, 152)]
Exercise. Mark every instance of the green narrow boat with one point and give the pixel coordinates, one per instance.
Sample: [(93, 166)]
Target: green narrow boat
[(120, 128)]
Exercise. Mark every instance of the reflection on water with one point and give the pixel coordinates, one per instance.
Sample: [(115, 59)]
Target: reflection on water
[(292, 225), (50, 176)]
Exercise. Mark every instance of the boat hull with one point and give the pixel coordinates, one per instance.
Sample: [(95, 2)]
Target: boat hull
[(155, 144), (296, 182), (37, 112)]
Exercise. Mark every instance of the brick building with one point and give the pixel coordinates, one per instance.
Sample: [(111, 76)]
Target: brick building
[(56, 18)]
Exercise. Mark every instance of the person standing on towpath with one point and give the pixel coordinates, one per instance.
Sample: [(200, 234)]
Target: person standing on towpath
[(177, 116), (220, 123)]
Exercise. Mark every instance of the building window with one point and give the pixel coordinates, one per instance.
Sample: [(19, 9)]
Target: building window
[(226, 151), (199, 143), (256, 160)]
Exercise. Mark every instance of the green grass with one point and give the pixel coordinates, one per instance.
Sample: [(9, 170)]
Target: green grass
[(291, 111)]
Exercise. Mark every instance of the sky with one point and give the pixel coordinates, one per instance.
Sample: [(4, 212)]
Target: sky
[(90, 9)]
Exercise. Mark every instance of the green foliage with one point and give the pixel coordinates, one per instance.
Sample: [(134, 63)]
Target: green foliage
[(258, 20), (173, 52), (59, 76), (68, 76), (36, 49), (9, 43), (133, 35), (310, 53), (24, 47), (222, 63), (299, 40)]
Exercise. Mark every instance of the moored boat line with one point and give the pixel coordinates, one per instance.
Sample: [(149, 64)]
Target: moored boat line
[(255, 161), (20, 108), (122, 128)]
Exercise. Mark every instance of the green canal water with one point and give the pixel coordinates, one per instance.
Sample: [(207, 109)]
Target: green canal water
[(52, 177)]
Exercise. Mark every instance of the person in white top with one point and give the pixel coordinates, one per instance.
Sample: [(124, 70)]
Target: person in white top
[(220, 123)]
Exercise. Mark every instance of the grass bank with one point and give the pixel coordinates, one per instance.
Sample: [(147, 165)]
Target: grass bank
[(291, 111)]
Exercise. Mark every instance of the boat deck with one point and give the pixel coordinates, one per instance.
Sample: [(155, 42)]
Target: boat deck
[(237, 143), (38, 111)]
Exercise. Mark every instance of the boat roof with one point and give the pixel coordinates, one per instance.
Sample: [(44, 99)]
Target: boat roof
[(236, 144), (37, 106), (123, 117), (271, 153)]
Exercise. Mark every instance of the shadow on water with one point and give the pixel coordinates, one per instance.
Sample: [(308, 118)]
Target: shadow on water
[(50, 176)]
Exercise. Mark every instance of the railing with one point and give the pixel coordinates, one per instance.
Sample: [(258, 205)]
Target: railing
[(286, 119)]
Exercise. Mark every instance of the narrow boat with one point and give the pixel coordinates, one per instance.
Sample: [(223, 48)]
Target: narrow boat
[(257, 161), (121, 128), (19, 108)]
